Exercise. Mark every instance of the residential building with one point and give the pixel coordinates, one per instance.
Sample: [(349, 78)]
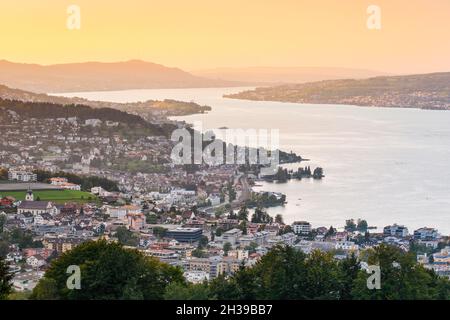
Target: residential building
[(230, 236), (395, 230), (62, 244), (23, 176), (442, 257), (136, 221), (185, 234), (426, 234), (301, 227)]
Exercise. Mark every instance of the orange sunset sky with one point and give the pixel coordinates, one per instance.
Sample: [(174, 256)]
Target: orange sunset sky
[(196, 34)]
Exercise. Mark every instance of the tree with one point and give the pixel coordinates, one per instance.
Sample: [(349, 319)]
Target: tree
[(226, 247), (180, 291), (261, 216), (23, 238), (108, 272), (3, 174), (402, 278), (203, 242), (362, 225), (4, 248), (350, 268), (243, 226), (219, 232), (251, 247), (288, 274), (285, 229), (2, 222), (224, 289), (46, 290), (318, 173), (330, 232), (279, 275), (5, 280), (231, 192), (159, 232), (279, 219), (218, 212), (282, 175), (231, 214), (243, 213), (198, 253), (126, 237), (350, 225), (151, 218), (323, 276)]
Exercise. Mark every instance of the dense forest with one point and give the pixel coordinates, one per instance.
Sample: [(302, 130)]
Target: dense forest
[(46, 110)]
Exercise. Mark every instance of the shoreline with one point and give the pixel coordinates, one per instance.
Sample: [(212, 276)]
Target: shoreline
[(336, 104)]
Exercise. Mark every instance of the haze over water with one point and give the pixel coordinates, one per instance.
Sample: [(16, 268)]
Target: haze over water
[(383, 165)]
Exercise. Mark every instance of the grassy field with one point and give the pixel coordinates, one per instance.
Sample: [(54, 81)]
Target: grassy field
[(57, 196)]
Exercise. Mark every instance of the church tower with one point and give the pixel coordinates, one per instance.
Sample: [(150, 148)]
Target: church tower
[(29, 196)]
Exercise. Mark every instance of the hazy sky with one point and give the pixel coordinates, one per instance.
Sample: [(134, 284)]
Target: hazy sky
[(193, 34)]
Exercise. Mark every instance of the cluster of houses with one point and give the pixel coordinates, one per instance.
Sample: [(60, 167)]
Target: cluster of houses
[(91, 147), (203, 245)]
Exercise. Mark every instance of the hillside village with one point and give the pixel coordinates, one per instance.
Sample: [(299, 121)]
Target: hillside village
[(205, 219), (203, 244)]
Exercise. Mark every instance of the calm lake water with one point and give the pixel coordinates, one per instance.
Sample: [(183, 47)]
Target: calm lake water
[(383, 165)]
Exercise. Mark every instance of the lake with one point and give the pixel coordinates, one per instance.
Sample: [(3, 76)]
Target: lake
[(383, 165)]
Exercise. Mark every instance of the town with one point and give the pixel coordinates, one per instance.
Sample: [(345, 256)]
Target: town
[(205, 245), (72, 175)]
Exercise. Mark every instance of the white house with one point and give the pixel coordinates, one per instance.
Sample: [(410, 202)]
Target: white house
[(121, 212), (301, 227), (214, 199), (36, 261), (24, 176), (347, 246)]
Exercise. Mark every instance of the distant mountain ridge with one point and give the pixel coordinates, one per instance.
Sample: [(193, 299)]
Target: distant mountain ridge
[(100, 76), (283, 75)]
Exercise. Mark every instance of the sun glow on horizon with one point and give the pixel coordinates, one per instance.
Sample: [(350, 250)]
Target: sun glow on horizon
[(202, 34)]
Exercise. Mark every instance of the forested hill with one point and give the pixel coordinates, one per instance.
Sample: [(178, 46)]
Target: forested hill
[(424, 91), (147, 109), (44, 110)]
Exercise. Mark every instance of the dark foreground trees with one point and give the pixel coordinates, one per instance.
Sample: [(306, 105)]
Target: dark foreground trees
[(402, 278), (285, 273), (5, 280), (108, 271)]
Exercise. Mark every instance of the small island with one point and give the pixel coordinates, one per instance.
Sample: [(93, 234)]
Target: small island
[(283, 175)]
